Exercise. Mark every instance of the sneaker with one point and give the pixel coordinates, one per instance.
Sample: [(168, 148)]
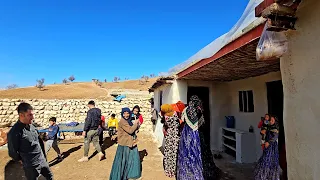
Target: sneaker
[(59, 158), (84, 159)]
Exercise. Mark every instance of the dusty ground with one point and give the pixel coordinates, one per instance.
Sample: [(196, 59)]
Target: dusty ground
[(69, 168), (150, 155), (83, 90)]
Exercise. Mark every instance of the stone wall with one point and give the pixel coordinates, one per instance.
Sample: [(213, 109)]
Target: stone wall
[(72, 110)]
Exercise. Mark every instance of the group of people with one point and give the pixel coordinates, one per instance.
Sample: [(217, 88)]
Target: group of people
[(186, 154), (26, 146)]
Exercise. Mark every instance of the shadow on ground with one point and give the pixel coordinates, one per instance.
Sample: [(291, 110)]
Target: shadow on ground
[(64, 155), (107, 143), (14, 171)]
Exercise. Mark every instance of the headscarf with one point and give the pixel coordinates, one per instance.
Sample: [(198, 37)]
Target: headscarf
[(178, 107), (194, 113), (126, 109), (167, 109), (137, 107)]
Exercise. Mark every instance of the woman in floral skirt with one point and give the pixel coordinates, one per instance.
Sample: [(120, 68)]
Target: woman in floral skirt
[(171, 140)]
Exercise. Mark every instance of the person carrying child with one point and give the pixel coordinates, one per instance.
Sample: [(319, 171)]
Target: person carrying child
[(263, 125), (52, 138), (112, 125)]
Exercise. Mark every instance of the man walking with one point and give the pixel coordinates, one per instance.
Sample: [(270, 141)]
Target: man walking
[(25, 145), (90, 132)]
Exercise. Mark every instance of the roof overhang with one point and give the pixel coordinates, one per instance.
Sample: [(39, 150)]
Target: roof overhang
[(161, 81), (238, 64), (242, 41)]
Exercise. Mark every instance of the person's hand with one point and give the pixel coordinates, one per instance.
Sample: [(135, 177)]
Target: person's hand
[(84, 133), (266, 144), (263, 131)]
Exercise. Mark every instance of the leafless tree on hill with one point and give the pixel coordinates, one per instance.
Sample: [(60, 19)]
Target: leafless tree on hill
[(65, 81), (12, 86), (116, 79), (40, 84), (72, 78)]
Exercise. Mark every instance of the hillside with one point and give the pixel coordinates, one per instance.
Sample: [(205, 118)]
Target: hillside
[(77, 90)]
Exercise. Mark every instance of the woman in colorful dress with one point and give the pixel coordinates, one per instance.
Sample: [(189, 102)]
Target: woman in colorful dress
[(126, 164), (195, 160), (171, 140), (268, 165)]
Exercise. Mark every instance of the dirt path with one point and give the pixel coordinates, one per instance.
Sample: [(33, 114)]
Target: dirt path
[(69, 168)]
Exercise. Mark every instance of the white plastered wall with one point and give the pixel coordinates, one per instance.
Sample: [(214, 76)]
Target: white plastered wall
[(225, 102), (300, 70)]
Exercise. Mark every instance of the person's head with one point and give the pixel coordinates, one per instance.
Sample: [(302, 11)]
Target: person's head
[(273, 120), (25, 112), (91, 104), (267, 117), (113, 116), (167, 110), (196, 103), (136, 110), (52, 121), (126, 113)]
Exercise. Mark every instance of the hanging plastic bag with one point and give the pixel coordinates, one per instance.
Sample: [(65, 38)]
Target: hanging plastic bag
[(272, 45)]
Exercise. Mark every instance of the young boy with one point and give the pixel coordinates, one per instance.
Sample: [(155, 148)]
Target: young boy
[(52, 138), (112, 125)]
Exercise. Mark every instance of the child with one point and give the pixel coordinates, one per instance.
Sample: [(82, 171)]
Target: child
[(101, 128), (136, 115), (264, 124), (112, 125), (52, 138)]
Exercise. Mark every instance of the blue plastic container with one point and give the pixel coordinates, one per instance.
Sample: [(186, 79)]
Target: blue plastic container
[(230, 121)]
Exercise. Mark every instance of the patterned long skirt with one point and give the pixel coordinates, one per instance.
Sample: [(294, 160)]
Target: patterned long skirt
[(171, 145), (189, 165), (268, 165), (126, 164)]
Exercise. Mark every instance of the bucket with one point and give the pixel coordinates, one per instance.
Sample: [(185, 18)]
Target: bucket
[(230, 121)]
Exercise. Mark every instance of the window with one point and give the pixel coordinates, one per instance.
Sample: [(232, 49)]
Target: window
[(160, 99), (246, 101)]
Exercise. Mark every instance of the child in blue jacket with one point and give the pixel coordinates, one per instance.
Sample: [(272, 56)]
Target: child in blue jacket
[(52, 138)]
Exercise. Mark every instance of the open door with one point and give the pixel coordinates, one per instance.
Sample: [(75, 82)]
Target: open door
[(275, 107), (203, 94)]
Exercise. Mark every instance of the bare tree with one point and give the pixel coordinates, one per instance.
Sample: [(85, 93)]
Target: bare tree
[(146, 78), (65, 81), (12, 86), (72, 78), (116, 79), (40, 84)]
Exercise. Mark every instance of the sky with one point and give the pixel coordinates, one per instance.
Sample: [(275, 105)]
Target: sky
[(54, 39)]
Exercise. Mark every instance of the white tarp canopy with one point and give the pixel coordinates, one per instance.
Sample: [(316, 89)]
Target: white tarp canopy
[(247, 22)]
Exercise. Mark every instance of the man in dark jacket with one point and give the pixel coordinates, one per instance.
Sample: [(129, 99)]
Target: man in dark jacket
[(25, 145), (90, 131)]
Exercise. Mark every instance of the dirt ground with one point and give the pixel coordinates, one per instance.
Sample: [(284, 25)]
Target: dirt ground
[(150, 155), (70, 168)]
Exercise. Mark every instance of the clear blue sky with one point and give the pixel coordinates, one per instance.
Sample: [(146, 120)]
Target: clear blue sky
[(54, 39)]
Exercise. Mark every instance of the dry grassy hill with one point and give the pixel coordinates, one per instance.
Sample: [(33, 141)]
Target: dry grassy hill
[(81, 90)]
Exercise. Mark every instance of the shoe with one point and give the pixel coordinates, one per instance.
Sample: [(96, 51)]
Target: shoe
[(84, 159), (59, 158), (101, 156)]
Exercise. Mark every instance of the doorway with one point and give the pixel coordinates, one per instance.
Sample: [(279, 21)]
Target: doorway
[(275, 107), (203, 94)]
